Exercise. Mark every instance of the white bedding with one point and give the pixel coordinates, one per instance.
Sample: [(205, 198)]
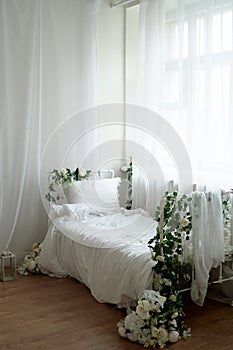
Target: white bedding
[(108, 252)]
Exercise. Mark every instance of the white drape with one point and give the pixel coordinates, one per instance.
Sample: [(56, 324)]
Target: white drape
[(185, 70), (47, 72), (207, 239)]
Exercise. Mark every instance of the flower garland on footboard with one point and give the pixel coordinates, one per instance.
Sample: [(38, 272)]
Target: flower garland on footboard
[(158, 318)]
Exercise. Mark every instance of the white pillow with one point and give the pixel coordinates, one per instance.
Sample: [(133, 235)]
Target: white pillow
[(99, 194)]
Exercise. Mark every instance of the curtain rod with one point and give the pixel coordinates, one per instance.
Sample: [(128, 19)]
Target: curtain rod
[(122, 3)]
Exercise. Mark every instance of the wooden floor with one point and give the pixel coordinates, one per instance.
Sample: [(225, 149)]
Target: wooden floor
[(40, 312)]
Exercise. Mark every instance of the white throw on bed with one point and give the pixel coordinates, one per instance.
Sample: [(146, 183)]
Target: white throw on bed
[(107, 251)]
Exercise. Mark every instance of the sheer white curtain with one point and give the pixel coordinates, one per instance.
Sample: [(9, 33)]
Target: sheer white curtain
[(47, 71), (185, 73)]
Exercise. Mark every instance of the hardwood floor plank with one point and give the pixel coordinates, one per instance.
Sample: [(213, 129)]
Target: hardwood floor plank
[(39, 312)]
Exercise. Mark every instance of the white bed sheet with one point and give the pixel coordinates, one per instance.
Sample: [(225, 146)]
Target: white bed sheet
[(108, 252)]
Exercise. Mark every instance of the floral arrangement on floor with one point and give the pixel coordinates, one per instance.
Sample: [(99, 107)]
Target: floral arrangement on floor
[(158, 318), (64, 176), (30, 263)]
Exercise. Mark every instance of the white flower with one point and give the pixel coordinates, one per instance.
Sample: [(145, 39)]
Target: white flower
[(154, 331), (184, 222), (63, 171), (175, 315), (173, 336), (173, 323), (82, 172), (27, 258), (122, 332), (149, 342), (167, 282), (36, 250), (186, 333), (143, 309), (154, 321), (160, 258), (31, 265), (153, 297), (146, 333), (162, 336), (172, 297), (132, 336), (133, 322), (33, 254), (150, 295)]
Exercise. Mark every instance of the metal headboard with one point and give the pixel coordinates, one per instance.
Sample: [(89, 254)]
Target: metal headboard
[(104, 173)]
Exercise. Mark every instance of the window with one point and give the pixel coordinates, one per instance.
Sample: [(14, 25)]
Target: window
[(192, 82)]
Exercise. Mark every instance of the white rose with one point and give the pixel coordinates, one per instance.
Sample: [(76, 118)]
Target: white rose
[(31, 265), (82, 172), (143, 309), (133, 322), (154, 331), (162, 336), (184, 222), (122, 332), (132, 336), (63, 171), (173, 336)]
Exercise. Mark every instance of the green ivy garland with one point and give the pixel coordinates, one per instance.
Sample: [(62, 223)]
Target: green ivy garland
[(167, 252), (158, 317)]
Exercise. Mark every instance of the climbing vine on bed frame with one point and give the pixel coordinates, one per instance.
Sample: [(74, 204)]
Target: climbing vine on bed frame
[(174, 227), (158, 318)]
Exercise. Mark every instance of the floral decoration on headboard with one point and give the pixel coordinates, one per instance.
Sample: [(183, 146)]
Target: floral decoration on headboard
[(61, 177), (129, 171)]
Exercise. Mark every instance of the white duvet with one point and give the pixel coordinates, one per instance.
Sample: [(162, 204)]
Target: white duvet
[(107, 251)]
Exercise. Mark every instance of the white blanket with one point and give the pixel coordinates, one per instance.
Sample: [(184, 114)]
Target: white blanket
[(106, 251)]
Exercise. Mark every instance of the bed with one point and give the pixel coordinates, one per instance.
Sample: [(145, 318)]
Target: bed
[(96, 241)]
